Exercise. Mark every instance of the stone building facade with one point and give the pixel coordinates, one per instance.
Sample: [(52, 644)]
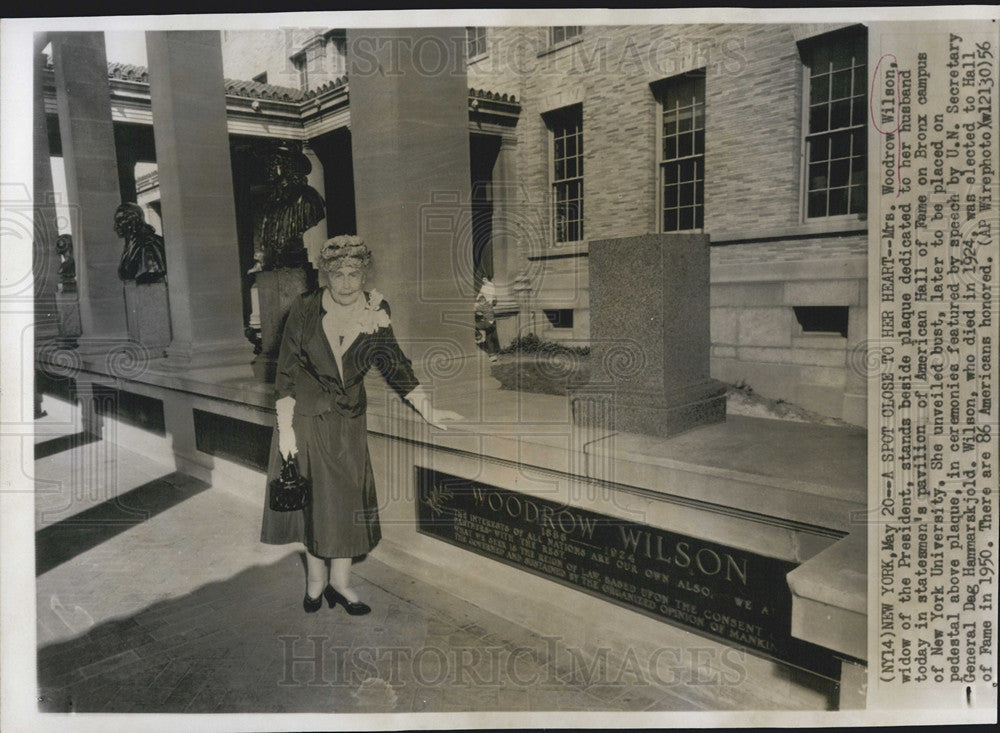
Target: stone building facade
[(303, 58), (788, 286)]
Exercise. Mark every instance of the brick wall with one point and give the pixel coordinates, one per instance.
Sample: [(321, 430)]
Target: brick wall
[(498, 69), (754, 108), (752, 138)]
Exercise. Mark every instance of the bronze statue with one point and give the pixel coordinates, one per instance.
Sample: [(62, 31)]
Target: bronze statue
[(67, 265), (290, 207), (143, 258)]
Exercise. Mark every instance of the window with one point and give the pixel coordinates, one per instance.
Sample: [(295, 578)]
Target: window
[(827, 319), (559, 317), (836, 137), (566, 126), (301, 65), (261, 78), (681, 152), (312, 58), (475, 37), (336, 51), (562, 33)]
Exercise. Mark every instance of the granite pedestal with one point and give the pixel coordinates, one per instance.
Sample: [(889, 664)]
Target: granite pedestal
[(68, 311), (148, 314), (649, 333), (276, 290)]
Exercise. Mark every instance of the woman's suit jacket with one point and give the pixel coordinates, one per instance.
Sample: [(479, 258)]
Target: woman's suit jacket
[(307, 370)]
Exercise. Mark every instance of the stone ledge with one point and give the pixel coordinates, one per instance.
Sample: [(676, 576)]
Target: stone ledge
[(837, 576), (838, 269), (233, 383), (803, 474), (830, 597), (556, 251)]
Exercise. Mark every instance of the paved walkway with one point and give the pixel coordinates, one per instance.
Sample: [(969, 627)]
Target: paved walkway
[(154, 595)]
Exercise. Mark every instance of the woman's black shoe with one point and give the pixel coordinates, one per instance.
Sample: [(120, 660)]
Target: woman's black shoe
[(312, 605), (333, 597)]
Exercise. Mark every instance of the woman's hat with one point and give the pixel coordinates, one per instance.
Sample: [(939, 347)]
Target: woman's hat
[(344, 250)]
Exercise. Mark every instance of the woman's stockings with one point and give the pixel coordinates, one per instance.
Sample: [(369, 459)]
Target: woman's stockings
[(340, 570), (317, 578)]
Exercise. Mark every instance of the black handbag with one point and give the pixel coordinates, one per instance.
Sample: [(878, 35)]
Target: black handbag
[(290, 491)]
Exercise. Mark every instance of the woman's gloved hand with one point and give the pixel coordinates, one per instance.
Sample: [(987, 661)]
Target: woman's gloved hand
[(285, 408), (421, 402)]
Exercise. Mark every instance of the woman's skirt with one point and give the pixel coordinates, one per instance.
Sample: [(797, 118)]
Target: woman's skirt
[(342, 517)]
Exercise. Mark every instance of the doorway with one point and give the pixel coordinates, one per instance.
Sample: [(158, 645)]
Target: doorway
[(483, 153)]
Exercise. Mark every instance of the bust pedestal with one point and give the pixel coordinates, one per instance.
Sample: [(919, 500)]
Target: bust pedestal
[(68, 312), (277, 290), (148, 314), (649, 333)]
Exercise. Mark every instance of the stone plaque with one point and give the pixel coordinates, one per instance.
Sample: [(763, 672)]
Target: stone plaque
[(739, 597)]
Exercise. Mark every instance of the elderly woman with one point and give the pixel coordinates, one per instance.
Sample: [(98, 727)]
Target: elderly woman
[(332, 337)]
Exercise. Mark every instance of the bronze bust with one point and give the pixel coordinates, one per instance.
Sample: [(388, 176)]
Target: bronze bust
[(67, 265), (143, 258), (290, 207)]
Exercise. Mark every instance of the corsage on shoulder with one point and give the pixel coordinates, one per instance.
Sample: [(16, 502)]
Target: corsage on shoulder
[(374, 317)]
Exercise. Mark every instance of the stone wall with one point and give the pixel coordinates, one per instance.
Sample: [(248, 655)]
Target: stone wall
[(758, 341)]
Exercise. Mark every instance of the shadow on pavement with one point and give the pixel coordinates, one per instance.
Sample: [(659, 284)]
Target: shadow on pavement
[(63, 443), (244, 644), (64, 540)]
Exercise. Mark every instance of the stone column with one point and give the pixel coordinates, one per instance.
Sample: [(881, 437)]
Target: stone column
[(88, 143), (333, 149), (126, 174), (505, 218), (506, 223), (46, 261), (188, 99), (410, 140)]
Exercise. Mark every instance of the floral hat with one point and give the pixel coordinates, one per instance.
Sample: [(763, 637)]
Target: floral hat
[(346, 250)]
